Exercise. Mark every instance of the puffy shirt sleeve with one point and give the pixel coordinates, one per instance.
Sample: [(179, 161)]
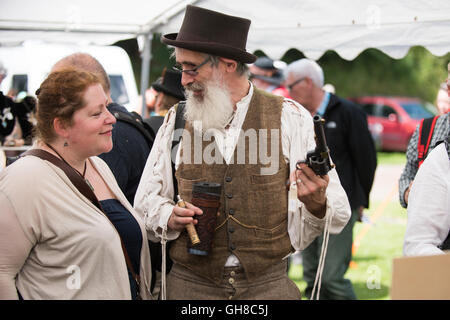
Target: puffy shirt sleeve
[(154, 195), (298, 138)]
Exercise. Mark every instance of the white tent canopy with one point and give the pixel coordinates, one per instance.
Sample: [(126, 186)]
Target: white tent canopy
[(82, 21), (311, 26), (346, 26)]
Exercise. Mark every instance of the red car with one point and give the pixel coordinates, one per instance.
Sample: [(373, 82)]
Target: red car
[(392, 120)]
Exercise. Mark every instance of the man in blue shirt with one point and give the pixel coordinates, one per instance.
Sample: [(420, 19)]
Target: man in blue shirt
[(353, 152)]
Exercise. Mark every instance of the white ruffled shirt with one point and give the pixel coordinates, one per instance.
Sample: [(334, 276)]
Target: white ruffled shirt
[(154, 196)]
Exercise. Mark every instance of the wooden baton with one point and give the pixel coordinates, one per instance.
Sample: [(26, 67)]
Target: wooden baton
[(190, 227)]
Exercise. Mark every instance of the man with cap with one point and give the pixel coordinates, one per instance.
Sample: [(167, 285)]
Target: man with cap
[(257, 226), (169, 92), (266, 76)]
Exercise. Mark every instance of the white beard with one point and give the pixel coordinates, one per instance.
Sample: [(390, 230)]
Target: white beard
[(214, 109)]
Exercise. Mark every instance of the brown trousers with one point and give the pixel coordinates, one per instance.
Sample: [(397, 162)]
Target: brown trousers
[(274, 284)]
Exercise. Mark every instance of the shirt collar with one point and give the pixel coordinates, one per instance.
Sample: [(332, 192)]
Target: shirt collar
[(323, 106), (241, 109), (245, 101)]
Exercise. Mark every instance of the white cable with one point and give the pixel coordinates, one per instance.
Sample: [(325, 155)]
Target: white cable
[(320, 267), (163, 265), (326, 238)]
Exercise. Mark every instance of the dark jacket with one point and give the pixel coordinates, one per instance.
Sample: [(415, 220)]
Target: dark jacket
[(352, 149), (22, 111), (128, 156), (7, 116)]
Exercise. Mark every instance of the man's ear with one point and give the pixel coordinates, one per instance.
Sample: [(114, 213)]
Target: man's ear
[(230, 65), (60, 128), (309, 82)]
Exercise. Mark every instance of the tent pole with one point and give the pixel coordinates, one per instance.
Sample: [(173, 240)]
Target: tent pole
[(145, 70)]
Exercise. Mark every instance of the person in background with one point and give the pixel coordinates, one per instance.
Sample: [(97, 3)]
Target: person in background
[(58, 244), (7, 117), (441, 129), (428, 226), (24, 112), (443, 99), (353, 151), (264, 75), (257, 226), (16, 118), (150, 101), (170, 92)]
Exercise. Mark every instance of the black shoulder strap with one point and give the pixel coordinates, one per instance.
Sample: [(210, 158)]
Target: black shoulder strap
[(426, 129), (136, 121), (74, 177), (179, 124)]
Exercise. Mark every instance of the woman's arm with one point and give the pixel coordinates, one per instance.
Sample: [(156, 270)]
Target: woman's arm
[(14, 249)]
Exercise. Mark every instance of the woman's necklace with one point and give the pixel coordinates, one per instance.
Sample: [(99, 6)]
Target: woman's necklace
[(84, 170)]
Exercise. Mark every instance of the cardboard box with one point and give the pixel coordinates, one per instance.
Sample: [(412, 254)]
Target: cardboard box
[(421, 278)]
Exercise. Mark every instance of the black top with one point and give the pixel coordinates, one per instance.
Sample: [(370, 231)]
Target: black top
[(22, 111), (7, 116), (352, 149), (130, 233), (128, 156), (155, 122)]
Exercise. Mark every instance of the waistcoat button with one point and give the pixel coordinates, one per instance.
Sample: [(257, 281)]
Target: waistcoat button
[(231, 211), (228, 179)]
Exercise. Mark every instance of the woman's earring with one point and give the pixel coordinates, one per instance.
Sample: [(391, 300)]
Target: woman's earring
[(65, 144)]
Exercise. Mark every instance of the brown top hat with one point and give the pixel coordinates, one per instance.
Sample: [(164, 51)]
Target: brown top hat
[(170, 83), (212, 32)]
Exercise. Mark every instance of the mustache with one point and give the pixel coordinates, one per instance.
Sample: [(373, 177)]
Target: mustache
[(195, 86)]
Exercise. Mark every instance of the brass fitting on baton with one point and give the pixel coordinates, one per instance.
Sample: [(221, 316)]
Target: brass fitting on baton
[(190, 227)]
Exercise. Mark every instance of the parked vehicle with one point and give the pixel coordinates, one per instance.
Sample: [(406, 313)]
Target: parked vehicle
[(392, 120)]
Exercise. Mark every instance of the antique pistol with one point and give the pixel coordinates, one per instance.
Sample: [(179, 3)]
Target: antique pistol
[(319, 158)]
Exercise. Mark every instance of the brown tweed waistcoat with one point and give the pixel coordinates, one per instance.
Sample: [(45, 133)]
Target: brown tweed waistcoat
[(252, 218)]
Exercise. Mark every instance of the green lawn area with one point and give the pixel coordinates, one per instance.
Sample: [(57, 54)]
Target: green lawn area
[(371, 270), (391, 157)]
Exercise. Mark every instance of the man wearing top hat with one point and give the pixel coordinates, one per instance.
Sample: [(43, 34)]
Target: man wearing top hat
[(170, 91), (257, 226)]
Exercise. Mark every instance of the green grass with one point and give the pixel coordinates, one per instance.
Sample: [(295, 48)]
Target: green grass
[(372, 270), (391, 158)]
